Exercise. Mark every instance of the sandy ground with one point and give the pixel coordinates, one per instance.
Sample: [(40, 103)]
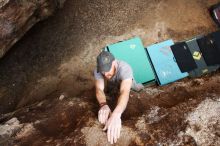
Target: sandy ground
[(58, 56)]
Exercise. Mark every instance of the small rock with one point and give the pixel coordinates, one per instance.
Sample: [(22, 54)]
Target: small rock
[(9, 128), (40, 104), (37, 122), (61, 97), (70, 103), (49, 140), (13, 121)]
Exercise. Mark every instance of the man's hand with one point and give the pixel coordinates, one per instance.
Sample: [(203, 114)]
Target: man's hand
[(113, 126), (104, 114)]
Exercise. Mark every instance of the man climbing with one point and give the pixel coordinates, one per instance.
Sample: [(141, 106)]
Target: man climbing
[(114, 72)]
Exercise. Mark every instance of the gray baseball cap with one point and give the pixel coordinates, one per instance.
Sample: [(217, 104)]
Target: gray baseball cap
[(104, 61)]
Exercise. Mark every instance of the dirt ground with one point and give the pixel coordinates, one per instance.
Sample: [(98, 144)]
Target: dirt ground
[(182, 113), (57, 56)]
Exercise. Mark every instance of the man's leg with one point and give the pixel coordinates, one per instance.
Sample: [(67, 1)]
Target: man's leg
[(137, 86)]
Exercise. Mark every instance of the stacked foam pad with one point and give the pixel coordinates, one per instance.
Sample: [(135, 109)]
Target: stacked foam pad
[(199, 55), (166, 62), (163, 62)]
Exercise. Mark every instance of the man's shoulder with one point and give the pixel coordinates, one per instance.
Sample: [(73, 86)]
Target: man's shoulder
[(123, 64), (124, 70), (124, 67)]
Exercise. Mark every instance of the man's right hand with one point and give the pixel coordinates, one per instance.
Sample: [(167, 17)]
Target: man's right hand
[(103, 114)]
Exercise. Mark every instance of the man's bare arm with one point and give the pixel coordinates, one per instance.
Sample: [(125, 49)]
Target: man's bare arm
[(100, 95), (113, 124), (104, 110), (123, 97)]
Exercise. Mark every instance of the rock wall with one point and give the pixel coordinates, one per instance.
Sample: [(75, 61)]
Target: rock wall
[(18, 16), (58, 55)]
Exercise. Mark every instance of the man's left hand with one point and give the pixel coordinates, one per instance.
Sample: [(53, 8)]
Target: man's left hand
[(113, 127)]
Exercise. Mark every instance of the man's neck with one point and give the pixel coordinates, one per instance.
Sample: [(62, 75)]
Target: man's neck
[(115, 67)]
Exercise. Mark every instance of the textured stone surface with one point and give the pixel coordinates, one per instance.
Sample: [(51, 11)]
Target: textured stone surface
[(18, 16), (58, 56), (147, 120)]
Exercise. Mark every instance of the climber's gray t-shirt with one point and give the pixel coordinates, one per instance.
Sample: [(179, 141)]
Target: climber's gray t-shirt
[(123, 71)]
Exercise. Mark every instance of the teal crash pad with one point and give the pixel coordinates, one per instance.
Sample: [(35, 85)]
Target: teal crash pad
[(132, 51), (164, 63)]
